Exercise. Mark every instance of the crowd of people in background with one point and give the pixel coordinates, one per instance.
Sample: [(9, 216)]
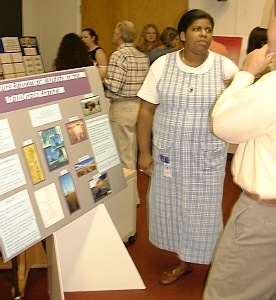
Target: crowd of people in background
[(170, 42), (126, 72), (122, 74), (162, 91)]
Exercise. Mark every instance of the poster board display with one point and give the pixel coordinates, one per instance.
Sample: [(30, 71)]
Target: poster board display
[(233, 46), (19, 56), (58, 158)]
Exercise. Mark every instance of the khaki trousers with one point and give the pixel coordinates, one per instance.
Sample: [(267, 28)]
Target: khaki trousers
[(244, 267), (123, 115)]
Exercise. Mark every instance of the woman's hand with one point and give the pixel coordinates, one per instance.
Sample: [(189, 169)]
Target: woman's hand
[(145, 162), (145, 120)]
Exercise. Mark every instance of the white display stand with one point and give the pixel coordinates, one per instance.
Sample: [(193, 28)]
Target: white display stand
[(91, 256), (55, 287), (122, 207)]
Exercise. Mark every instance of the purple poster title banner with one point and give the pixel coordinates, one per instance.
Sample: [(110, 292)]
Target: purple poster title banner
[(41, 89)]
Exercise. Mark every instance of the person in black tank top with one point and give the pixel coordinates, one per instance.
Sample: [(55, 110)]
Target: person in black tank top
[(92, 55), (97, 54)]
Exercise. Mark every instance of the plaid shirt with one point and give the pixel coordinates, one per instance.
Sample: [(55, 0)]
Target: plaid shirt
[(126, 72)]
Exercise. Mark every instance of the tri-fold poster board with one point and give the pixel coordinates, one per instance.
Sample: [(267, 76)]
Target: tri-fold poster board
[(58, 158)]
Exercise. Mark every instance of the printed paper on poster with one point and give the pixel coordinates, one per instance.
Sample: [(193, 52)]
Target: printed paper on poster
[(18, 226), (49, 205), (11, 174), (6, 138)]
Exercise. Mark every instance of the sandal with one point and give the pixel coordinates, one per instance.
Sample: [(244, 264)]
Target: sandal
[(171, 276)]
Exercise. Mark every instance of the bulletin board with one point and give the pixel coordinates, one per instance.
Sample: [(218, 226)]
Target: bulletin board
[(19, 56), (58, 158), (233, 45)]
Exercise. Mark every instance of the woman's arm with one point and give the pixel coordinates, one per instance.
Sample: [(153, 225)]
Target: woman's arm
[(102, 62), (145, 120), (101, 58)]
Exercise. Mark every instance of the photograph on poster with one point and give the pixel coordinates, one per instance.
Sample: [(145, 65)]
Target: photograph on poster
[(76, 131), (91, 104), (100, 186), (33, 163), (85, 166), (53, 145), (69, 192)]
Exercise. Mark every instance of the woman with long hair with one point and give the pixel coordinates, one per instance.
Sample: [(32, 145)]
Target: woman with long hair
[(72, 53), (257, 39), (170, 42), (149, 39)]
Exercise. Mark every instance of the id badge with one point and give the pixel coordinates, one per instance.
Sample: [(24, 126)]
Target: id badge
[(164, 158), (167, 170)]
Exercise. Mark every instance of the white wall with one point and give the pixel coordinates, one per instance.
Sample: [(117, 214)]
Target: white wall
[(49, 21), (236, 17)]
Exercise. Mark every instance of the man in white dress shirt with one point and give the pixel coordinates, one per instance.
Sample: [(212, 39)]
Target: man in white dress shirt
[(244, 266)]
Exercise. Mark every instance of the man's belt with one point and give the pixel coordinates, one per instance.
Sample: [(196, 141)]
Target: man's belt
[(257, 198)]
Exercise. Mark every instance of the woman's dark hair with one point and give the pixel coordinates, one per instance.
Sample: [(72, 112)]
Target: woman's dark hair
[(72, 53), (190, 16), (257, 38), (92, 33)]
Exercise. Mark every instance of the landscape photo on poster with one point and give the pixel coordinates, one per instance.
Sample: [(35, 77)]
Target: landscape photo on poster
[(53, 145), (69, 192), (33, 163), (77, 131), (85, 166), (100, 186)]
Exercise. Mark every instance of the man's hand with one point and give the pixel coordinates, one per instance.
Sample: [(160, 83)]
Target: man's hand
[(258, 60)]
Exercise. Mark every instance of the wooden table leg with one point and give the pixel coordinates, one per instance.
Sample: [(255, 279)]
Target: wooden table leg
[(16, 294)]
